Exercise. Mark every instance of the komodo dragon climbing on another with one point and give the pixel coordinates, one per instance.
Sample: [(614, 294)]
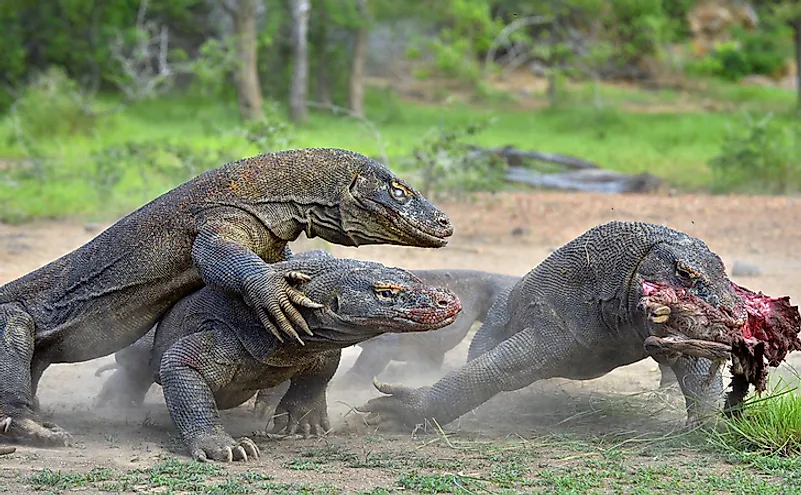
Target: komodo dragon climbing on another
[(210, 348), (577, 315), (221, 229)]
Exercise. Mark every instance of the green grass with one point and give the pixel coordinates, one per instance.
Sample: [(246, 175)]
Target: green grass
[(541, 465), (768, 425), (68, 181)]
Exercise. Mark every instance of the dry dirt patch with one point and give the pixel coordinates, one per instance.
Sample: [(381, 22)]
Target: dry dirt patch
[(508, 233)]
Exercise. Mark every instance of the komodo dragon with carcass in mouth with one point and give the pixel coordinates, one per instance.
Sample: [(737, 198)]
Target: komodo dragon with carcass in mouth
[(579, 315), (210, 351), (221, 229)]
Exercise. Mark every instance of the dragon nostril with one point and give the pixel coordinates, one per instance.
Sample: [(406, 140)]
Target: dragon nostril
[(442, 303), (444, 222)]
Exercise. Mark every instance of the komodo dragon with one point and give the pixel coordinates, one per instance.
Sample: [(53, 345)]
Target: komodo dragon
[(476, 290), (220, 229), (577, 315), (211, 348)]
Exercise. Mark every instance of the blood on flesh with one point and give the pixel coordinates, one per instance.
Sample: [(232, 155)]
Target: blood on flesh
[(761, 332)]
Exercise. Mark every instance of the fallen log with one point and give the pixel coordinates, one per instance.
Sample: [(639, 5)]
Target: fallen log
[(515, 157), (604, 181)]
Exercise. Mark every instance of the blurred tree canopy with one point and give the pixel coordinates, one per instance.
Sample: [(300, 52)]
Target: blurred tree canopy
[(209, 45)]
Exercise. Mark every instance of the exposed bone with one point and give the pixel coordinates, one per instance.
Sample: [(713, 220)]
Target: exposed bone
[(689, 347)]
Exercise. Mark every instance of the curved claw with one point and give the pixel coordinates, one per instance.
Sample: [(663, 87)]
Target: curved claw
[(297, 276), (5, 425), (271, 297), (45, 433), (223, 448), (307, 418)]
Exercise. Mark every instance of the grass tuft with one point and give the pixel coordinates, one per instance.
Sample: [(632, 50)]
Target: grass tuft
[(768, 425)]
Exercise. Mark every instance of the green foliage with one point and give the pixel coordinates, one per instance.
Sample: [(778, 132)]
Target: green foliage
[(638, 27), (149, 162), (77, 34), (760, 156), (761, 51), (212, 67), (271, 133), (446, 163), (52, 105)]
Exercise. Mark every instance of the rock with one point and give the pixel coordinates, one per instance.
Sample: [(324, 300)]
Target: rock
[(743, 269), (91, 228)]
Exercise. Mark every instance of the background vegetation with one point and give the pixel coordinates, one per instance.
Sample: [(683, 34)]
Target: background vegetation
[(108, 104)]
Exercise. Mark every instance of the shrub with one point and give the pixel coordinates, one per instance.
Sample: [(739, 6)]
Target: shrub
[(447, 164), (761, 156), (52, 105), (763, 51)]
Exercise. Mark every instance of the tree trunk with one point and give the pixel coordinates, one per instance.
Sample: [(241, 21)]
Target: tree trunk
[(356, 81), (797, 29), (246, 78), (298, 110), (323, 78)]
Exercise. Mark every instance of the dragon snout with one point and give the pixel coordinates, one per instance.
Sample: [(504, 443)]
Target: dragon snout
[(447, 301)]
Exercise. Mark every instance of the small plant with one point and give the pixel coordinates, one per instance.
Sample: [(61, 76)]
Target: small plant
[(447, 164), (765, 156), (270, 133)]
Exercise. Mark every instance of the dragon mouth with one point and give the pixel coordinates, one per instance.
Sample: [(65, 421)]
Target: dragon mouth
[(759, 333), (426, 319), (431, 236), (424, 234)]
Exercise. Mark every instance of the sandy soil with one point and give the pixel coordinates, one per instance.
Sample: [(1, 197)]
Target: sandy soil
[(508, 233)]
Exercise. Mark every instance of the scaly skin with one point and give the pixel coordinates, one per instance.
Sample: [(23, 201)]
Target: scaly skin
[(222, 229), (578, 316), (210, 351), (476, 290)]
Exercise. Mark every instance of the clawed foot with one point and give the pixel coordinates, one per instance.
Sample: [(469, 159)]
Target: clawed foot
[(308, 418), (45, 433), (223, 448), (271, 296), (403, 407)]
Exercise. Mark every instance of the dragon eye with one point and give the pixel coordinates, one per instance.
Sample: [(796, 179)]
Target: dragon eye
[(385, 293), (398, 192), (684, 272)]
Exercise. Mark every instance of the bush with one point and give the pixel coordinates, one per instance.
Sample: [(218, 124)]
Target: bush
[(761, 156), (763, 51), (53, 105), (446, 163)]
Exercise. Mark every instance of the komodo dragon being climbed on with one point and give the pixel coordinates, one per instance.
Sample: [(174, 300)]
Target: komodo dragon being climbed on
[(211, 349), (577, 315), (221, 229), (476, 290)]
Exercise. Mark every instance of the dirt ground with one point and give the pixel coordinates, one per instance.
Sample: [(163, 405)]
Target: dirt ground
[(508, 233)]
